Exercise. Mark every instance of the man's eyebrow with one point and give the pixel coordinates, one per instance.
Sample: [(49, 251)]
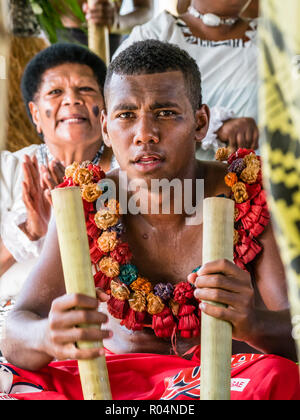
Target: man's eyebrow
[(168, 104), (156, 105), (122, 106)]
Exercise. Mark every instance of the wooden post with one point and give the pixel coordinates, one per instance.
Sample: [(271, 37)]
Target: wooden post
[(99, 39), (4, 55), (216, 335), (77, 268)]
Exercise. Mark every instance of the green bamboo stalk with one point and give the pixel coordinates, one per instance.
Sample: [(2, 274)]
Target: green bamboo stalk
[(77, 268), (216, 335)]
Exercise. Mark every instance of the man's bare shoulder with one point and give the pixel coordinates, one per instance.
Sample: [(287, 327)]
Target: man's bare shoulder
[(214, 173)]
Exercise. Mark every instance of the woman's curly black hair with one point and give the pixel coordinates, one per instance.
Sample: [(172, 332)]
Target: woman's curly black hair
[(55, 55), (153, 56)]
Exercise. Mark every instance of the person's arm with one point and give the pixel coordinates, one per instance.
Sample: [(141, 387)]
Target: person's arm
[(7, 260), (182, 6), (104, 13), (42, 325), (265, 327), (143, 13)]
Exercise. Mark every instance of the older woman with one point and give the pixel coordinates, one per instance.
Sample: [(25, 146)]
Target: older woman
[(62, 89), (224, 46)]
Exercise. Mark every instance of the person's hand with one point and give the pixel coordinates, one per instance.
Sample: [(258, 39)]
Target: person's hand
[(101, 13), (223, 282), (74, 318), (239, 133), (36, 200), (52, 174)]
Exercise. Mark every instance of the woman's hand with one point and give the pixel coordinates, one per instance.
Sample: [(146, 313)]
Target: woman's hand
[(52, 174), (74, 318), (223, 282), (36, 200)]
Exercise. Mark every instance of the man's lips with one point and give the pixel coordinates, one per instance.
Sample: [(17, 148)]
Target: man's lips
[(148, 158)]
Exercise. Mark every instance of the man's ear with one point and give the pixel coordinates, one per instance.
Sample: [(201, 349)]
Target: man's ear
[(35, 115), (202, 120), (105, 135)]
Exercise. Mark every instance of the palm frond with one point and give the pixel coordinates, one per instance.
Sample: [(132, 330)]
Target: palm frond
[(48, 14)]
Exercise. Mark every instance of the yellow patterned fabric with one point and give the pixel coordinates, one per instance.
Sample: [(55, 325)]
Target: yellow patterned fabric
[(279, 101)]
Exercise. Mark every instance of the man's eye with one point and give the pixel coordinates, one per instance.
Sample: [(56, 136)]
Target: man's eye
[(166, 113), (126, 115)]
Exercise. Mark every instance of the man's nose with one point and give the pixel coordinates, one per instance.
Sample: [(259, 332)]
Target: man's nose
[(146, 131), (72, 97)]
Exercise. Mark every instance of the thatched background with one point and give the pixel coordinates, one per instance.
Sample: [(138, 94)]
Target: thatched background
[(21, 132)]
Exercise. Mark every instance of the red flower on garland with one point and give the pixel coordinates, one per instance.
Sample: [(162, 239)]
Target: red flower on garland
[(122, 253), (88, 208), (189, 324), (95, 252), (102, 281), (247, 247), (256, 220), (97, 172), (134, 320), (92, 230), (163, 323), (183, 292), (240, 153), (68, 182)]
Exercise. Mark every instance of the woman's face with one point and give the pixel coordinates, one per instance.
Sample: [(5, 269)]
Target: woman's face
[(220, 7), (68, 105)]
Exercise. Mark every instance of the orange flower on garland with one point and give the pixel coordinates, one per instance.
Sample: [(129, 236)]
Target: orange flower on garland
[(155, 304), (90, 192), (223, 154), (240, 192), (137, 301), (250, 174), (71, 169), (119, 291), (142, 285), (105, 219), (109, 267), (113, 206), (82, 176), (231, 179), (108, 241)]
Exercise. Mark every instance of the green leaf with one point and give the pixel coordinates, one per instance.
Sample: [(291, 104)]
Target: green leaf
[(48, 13)]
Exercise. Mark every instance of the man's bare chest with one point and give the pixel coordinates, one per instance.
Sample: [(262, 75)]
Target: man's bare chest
[(165, 255)]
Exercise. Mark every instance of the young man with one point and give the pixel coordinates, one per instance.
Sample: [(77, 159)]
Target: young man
[(154, 117)]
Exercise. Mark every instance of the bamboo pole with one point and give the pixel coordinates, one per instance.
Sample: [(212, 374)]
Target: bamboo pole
[(216, 335), (4, 55), (77, 268), (98, 39)]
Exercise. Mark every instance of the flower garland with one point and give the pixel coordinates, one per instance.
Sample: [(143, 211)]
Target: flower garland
[(244, 177), (166, 308)]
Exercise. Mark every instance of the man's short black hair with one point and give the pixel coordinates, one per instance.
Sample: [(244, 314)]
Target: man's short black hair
[(55, 55), (152, 56)]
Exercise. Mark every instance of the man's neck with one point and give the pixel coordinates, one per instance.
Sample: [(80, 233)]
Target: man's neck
[(165, 202), (71, 153)]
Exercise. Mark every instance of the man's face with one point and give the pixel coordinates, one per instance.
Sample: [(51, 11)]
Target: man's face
[(151, 125), (68, 104)]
